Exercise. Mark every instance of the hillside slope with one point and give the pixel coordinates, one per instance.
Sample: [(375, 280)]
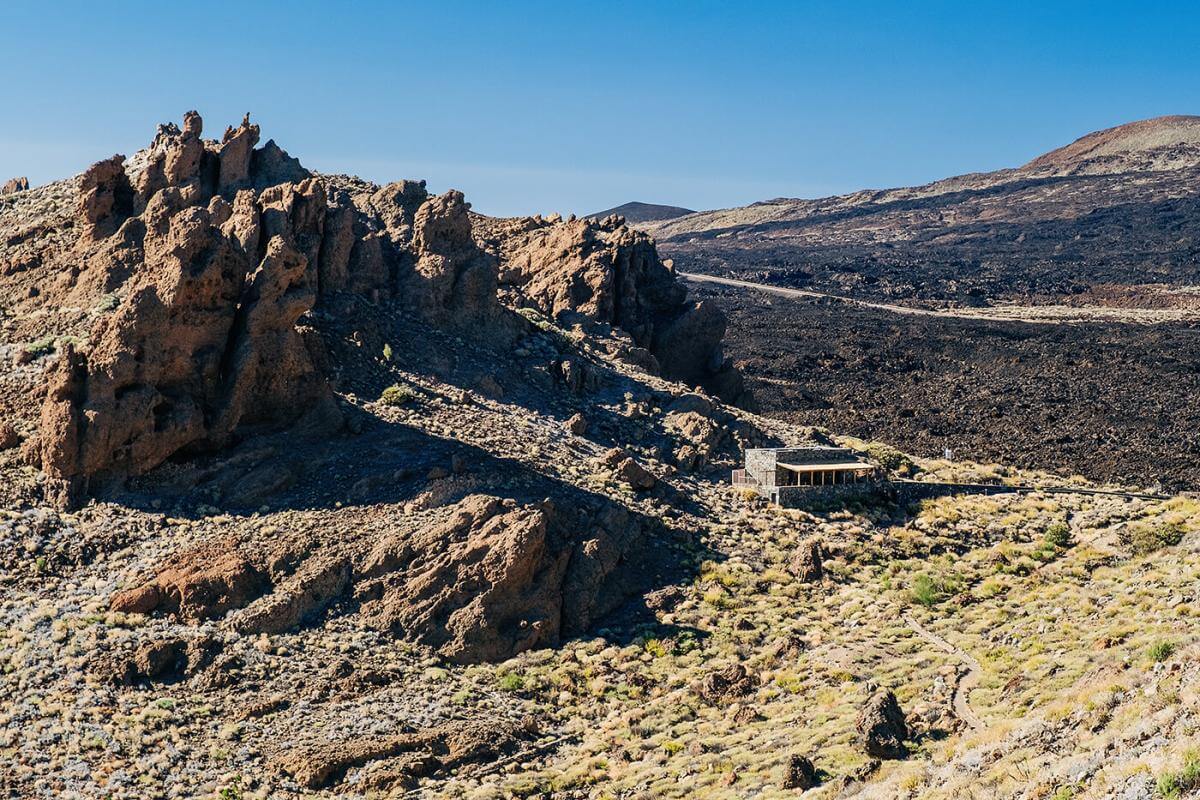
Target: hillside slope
[(1116, 208)]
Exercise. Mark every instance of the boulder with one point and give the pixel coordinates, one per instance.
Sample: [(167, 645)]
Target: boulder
[(881, 726), (801, 774), (634, 474), (734, 681), (806, 564), (8, 436)]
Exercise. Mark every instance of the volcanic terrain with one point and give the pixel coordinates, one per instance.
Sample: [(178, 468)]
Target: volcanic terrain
[(313, 487), (1066, 295)]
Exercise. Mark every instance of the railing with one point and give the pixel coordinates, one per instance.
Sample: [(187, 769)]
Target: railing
[(740, 478)]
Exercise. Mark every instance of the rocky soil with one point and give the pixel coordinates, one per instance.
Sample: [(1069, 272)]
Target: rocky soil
[(313, 487)]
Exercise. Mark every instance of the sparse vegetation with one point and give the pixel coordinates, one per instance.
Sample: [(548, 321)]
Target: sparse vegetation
[(1161, 651), (1175, 785), (1147, 537), (397, 395), (41, 347)]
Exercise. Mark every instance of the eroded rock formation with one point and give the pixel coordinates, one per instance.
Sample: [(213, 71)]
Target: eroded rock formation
[(495, 579), (14, 185), (218, 251), (602, 271)]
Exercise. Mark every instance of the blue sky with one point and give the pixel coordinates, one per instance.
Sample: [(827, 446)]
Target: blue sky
[(573, 107)]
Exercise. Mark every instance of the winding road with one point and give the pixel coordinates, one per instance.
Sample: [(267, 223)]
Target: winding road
[(1037, 315)]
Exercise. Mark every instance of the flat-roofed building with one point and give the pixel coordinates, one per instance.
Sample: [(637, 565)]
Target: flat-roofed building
[(793, 475)]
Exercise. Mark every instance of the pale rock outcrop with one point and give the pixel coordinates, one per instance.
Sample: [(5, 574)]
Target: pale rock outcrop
[(14, 185)]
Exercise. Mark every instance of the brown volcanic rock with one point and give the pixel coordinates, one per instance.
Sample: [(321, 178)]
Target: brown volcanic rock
[(180, 362), (487, 587), (206, 340), (105, 199), (881, 726), (499, 578), (14, 185), (452, 274), (605, 272), (198, 585), (215, 267), (493, 579)]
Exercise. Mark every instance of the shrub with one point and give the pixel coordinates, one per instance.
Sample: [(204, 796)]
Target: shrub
[(1161, 651), (108, 302), (510, 682), (1058, 536), (925, 590), (891, 459), (397, 395), (41, 346), (1173, 785), (387, 352), (1147, 538)]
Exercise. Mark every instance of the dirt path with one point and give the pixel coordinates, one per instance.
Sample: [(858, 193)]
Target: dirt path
[(1038, 315), (966, 682)]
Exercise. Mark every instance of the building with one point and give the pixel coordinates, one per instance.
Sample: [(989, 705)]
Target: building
[(798, 475)]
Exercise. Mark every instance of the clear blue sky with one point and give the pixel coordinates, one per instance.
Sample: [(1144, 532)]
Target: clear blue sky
[(539, 107)]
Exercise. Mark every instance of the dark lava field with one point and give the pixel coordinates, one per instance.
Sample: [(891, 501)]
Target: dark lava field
[(1111, 402)]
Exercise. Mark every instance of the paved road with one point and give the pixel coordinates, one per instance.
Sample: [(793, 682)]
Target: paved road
[(1036, 315)]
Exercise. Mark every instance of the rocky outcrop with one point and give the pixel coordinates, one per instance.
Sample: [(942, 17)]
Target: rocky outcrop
[(405, 757), (604, 272), (199, 585), (14, 185), (806, 563), (218, 251), (881, 726), (499, 578), (494, 579), (453, 279)]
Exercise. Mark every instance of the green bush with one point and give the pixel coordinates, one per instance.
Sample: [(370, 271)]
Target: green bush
[(925, 591), (891, 460), (41, 346), (1173, 785), (397, 395), (510, 682), (1161, 651), (1058, 536)]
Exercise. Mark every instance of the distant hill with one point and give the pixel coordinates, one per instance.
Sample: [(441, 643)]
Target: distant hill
[(643, 212), (1116, 207), (1162, 143)]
